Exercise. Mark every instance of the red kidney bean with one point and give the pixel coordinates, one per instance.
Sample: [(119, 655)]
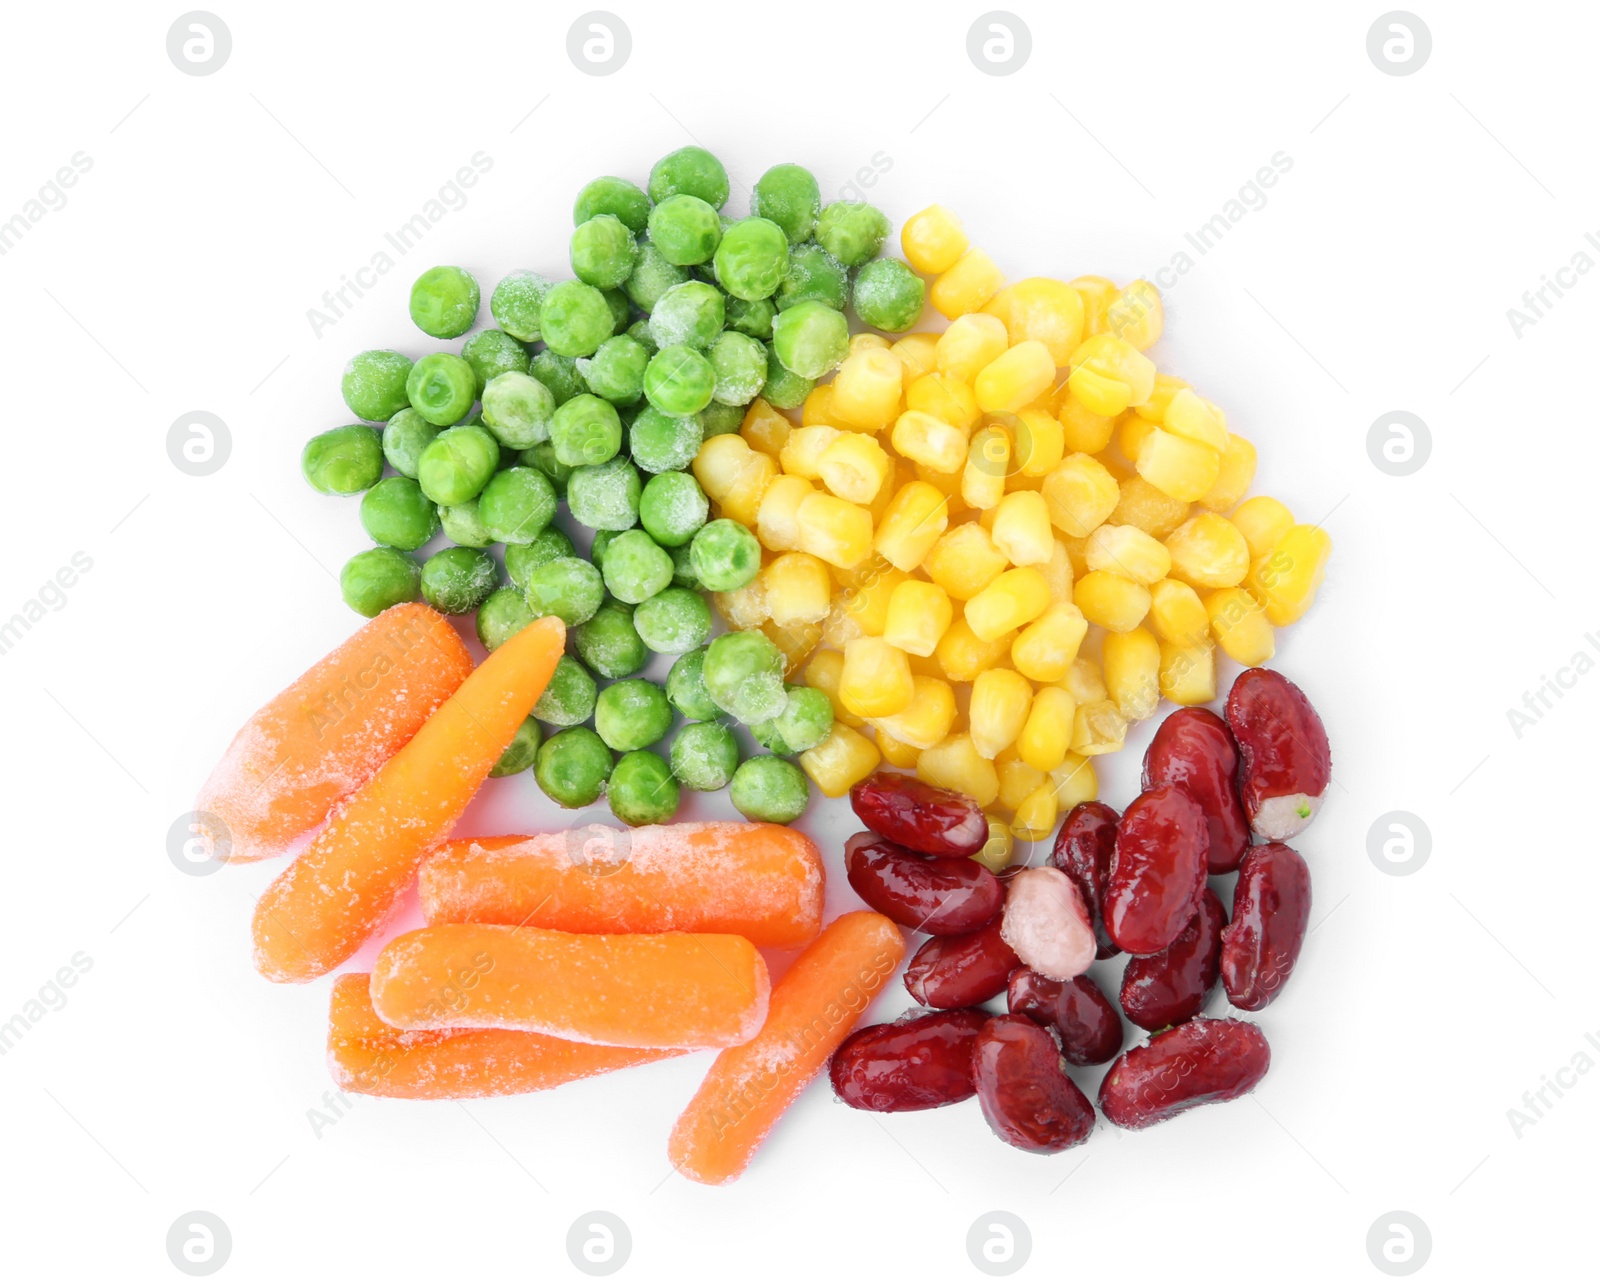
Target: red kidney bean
[(961, 970), (920, 1061), (1087, 1024), (1171, 986), (1198, 1063), (1083, 851), (1023, 1089), (1271, 906), (1194, 749), (1287, 762), (939, 896), (1158, 870), (929, 820), (1047, 924)]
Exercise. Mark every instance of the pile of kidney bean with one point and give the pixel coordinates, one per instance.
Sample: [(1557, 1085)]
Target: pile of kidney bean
[(1132, 883)]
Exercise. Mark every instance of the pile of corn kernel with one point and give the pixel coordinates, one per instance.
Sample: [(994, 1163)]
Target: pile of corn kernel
[(953, 532)]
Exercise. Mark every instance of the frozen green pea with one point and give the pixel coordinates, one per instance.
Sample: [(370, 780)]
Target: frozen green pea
[(395, 513), (444, 301), (686, 687), (621, 310), (517, 504), (642, 789), (442, 387), (491, 353), (784, 390), (608, 642), (692, 170), (515, 304), (767, 789), (569, 697), (631, 714), (572, 767), (609, 195), (605, 496), (673, 620), (743, 673), (724, 418), (740, 364), (813, 274), (691, 313), (462, 525), (517, 409), (374, 383), (685, 230), (805, 721), (888, 295), (542, 457), (751, 317), (659, 442), (457, 464), (404, 437), (458, 579), (852, 231), (752, 258), (597, 547), (522, 557), (811, 339), (501, 616), (635, 567), (652, 277), (567, 588), (557, 374), (672, 508), (575, 319), (726, 555), (705, 755), (522, 752), (679, 380), (378, 579), (586, 430), (683, 566), (640, 331), (603, 252), (788, 195), (616, 372), (343, 461)]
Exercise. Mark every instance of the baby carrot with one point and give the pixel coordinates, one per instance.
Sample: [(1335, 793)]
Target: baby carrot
[(758, 880), (330, 731), (615, 990), (812, 1009), (330, 900), (375, 1059)]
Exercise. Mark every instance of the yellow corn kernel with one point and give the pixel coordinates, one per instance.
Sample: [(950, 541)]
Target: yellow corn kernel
[(866, 389), (823, 672), (1096, 294), (969, 345), (1132, 430), (1081, 494), (967, 285), (1084, 681), (798, 588), (1109, 375), (919, 615), (945, 396), (902, 755), (1018, 779), (1098, 728), (998, 849), (1035, 818), (1075, 781), (854, 466), (1154, 408), (742, 501), (1239, 625), (1000, 702), (1075, 548), (1021, 530), (956, 764), (1263, 520), (1081, 429), (1127, 551), (1009, 602), (1015, 378), (1182, 468), (795, 641), (1131, 662), (866, 602), (802, 452), (927, 718), (1148, 508), (915, 519), (721, 460), (1046, 735), (921, 438), (1042, 309), (963, 657), (839, 628), (876, 680), (1176, 613), (1058, 573), (892, 483), (765, 428), (915, 352), (840, 761), (963, 561), (1234, 479), (818, 406), (1286, 580), (1045, 649), (746, 608), (1198, 419), (1111, 600), (1136, 314), (834, 529), (983, 477), (777, 519), (1208, 551), (1040, 443), (949, 485), (1188, 673), (932, 240)]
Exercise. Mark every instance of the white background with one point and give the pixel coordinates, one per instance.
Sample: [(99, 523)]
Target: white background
[(178, 276)]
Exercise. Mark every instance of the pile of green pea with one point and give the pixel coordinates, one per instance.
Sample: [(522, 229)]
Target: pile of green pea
[(597, 393)]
